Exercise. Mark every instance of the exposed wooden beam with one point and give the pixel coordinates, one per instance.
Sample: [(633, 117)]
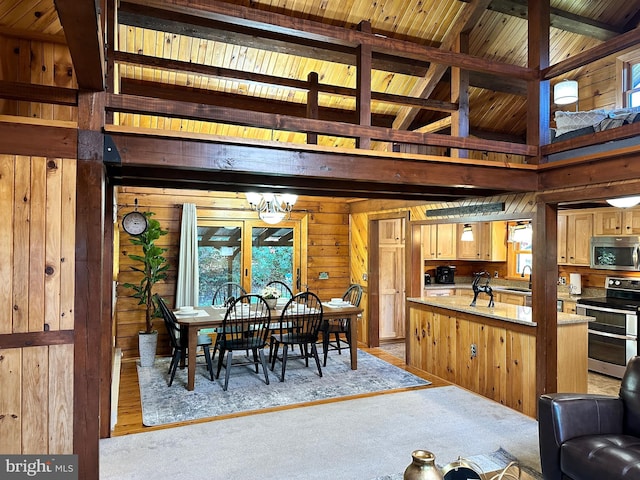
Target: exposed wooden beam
[(615, 45), (129, 86), (82, 29), (31, 92), (151, 106), (283, 163), (560, 19), (260, 79), (46, 140), (423, 88), (23, 33), (191, 25), (436, 126), (299, 30)]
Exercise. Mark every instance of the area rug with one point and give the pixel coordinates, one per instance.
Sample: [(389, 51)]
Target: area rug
[(355, 439), (247, 391)]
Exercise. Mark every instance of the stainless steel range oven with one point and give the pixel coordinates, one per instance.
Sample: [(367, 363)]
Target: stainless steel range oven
[(613, 336)]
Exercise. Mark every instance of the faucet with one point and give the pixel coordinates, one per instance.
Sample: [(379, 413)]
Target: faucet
[(530, 273)]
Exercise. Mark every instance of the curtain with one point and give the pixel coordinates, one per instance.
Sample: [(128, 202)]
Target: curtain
[(188, 283)]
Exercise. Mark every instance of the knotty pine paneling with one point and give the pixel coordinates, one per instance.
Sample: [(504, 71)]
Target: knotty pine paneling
[(37, 400), (37, 256), (37, 62), (327, 248), (38, 243)]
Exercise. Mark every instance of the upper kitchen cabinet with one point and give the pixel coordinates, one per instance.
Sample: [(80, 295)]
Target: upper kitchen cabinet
[(489, 242), (439, 241), (614, 221), (574, 234)]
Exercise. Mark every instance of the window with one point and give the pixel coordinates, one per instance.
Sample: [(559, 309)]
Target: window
[(248, 252), (519, 250), (629, 78)]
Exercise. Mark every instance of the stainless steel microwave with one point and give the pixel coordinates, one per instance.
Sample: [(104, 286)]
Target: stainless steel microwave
[(615, 252)]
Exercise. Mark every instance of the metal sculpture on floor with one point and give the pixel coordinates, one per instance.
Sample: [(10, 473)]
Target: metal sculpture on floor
[(477, 288)]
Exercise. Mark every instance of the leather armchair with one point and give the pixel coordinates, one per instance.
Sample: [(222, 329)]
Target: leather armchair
[(592, 437)]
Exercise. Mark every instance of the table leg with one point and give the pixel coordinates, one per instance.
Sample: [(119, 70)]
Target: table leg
[(191, 362), (353, 329)]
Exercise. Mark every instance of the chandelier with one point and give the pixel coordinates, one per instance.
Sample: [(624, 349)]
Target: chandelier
[(271, 207)]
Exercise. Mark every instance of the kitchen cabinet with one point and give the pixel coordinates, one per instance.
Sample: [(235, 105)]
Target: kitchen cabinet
[(614, 221), (574, 235), (510, 298), (438, 241), (489, 242), (568, 306)]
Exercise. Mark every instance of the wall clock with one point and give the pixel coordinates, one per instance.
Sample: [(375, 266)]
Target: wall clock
[(135, 223)]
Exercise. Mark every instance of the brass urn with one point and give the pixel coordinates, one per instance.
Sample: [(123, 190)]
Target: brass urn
[(423, 467)]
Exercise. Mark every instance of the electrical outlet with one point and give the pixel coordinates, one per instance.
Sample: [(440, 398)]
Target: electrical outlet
[(474, 350), (365, 277), (495, 274)]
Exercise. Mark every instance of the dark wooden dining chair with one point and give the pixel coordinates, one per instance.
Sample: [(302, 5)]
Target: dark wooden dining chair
[(179, 343), (283, 288), (299, 325), (340, 326), (245, 327), (226, 293)]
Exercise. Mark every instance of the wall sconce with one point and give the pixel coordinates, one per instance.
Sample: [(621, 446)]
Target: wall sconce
[(624, 202), (467, 233), (565, 92)]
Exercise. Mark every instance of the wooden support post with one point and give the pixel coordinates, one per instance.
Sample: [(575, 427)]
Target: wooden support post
[(88, 303), (544, 292), (538, 98), (312, 105), (363, 87), (460, 95)]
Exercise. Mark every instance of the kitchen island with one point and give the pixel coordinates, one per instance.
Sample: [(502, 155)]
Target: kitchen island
[(492, 351)]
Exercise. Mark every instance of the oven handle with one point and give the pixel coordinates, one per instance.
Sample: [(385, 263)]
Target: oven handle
[(604, 309), (635, 257), (611, 335)]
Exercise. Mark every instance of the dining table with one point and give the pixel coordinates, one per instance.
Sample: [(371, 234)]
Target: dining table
[(212, 317)]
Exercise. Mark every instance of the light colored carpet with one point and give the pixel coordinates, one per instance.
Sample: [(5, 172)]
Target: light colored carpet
[(358, 439), (248, 391)]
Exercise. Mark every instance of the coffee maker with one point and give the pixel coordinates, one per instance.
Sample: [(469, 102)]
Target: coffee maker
[(445, 274)]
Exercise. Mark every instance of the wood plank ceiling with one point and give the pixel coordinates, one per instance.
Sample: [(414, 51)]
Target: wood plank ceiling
[(188, 48)]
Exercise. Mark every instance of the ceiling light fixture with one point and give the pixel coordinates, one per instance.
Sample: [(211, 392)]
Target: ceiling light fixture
[(565, 92), (467, 233), (272, 208), (624, 202)]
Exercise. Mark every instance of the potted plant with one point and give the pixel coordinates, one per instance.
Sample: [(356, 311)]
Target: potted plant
[(152, 266), (271, 296)]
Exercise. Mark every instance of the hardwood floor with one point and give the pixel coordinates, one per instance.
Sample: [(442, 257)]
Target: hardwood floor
[(130, 411)]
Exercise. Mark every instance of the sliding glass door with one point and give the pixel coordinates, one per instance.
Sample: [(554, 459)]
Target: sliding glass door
[(248, 252)]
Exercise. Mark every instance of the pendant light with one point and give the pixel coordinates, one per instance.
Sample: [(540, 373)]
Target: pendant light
[(467, 233)]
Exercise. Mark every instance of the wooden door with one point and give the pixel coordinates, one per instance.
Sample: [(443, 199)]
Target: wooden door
[(446, 241), (469, 250), (607, 222), (391, 286), (562, 238), (631, 222), (579, 231)]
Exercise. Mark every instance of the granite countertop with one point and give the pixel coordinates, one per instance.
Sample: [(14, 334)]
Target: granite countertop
[(500, 311)]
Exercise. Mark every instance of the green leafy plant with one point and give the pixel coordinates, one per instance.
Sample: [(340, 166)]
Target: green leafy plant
[(153, 267)]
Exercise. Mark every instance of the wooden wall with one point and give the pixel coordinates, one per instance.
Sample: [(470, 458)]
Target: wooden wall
[(41, 63), (327, 248), (37, 246)]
